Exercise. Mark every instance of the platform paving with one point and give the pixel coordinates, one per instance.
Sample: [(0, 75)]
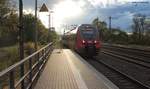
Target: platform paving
[(67, 70)]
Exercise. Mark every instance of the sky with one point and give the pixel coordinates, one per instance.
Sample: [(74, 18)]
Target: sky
[(68, 12)]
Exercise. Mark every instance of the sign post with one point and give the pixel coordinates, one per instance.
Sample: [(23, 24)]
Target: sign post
[(44, 8)]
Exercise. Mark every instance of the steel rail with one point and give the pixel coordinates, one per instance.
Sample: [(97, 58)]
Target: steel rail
[(147, 52), (139, 52), (124, 58), (128, 56)]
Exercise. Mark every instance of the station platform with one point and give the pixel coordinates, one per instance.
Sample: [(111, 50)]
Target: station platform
[(67, 70)]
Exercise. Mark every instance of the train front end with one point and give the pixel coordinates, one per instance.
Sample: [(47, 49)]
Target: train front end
[(88, 41)]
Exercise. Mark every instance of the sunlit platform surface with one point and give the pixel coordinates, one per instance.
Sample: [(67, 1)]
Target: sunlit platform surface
[(67, 70)]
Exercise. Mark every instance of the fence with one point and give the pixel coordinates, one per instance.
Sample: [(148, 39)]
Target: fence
[(33, 65)]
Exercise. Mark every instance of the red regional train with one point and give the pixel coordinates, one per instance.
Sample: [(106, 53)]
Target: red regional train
[(84, 39)]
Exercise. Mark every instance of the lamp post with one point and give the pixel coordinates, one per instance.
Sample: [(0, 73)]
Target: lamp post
[(36, 32), (21, 40), (50, 24), (110, 24)]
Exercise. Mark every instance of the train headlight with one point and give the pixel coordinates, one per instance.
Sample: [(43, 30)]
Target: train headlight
[(95, 41), (83, 41)]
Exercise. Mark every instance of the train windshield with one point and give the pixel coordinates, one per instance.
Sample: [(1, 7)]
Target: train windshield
[(88, 33)]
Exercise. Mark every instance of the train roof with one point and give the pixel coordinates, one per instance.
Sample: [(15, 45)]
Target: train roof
[(86, 26)]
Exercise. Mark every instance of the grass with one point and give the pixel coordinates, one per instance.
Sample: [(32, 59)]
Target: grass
[(8, 56)]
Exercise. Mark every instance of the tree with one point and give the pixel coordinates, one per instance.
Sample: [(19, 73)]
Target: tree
[(101, 26), (138, 27), (119, 36), (43, 33), (7, 8), (4, 9), (9, 26), (116, 36), (8, 23)]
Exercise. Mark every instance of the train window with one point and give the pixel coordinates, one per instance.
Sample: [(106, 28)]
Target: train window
[(88, 34)]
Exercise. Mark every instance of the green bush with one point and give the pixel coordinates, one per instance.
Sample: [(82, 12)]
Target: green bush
[(29, 48), (10, 56)]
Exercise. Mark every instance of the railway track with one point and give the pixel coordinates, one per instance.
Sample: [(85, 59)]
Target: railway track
[(128, 56), (137, 56), (128, 50), (122, 80)]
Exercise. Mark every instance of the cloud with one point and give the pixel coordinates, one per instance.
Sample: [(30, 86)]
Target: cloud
[(121, 10), (122, 14)]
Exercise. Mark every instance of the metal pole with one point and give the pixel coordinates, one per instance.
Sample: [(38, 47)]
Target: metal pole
[(110, 29), (49, 26), (110, 24), (64, 31), (11, 80), (21, 40), (49, 21), (1, 85), (36, 32), (97, 23)]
